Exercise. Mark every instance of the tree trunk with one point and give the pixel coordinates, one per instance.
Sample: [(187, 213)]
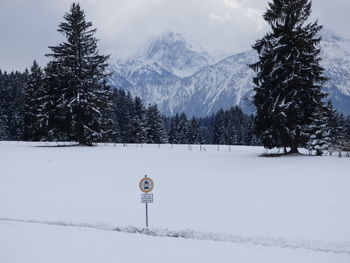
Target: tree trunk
[(80, 127), (80, 133), (294, 148), (81, 136)]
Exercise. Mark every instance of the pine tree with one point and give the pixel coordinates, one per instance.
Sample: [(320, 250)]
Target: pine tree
[(334, 124), (3, 126), (33, 129), (194, 135), (12, 88), (3, 117), (55, 117), (183, 129), (128, 132), (319, 138), (138, 122), (79, 73), (116, 127), (155, 127), (219, 129), (343, 138), (346, 129), (174, 136), (289, 76)]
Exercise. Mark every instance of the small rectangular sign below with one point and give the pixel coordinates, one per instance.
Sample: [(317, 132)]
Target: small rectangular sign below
[(146, 198)]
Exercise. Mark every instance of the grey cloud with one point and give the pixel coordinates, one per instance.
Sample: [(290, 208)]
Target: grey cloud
[(27, 27)]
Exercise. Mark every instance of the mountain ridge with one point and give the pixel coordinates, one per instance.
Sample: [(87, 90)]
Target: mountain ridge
[(203, 87)]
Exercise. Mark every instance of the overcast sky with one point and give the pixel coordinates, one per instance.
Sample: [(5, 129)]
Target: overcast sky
[(28, 27)]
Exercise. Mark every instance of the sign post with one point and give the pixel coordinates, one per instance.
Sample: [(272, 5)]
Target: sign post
[(146, 185)]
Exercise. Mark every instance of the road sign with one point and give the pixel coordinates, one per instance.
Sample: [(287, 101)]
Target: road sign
[(146, 185), (146, 198)]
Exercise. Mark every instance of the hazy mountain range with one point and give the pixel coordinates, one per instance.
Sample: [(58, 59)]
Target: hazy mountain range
[(180, 76)]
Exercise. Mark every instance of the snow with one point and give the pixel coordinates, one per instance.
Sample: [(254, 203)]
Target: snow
[(82, 204), (174, 53), (70, 244)]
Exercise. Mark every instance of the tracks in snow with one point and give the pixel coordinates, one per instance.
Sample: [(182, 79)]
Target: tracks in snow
[(316, 246)]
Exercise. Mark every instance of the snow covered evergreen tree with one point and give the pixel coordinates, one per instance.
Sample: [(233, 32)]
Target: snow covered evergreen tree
[(3, 117), (343, 137), (234, 126), (123, 111), (346, 129), (180, 130), (194, 135), (12, 86), (335, 125), (219, 131), (138, 122), (55, 117), (116, 129), (3, 126), (319, 138), (123, 114), (174, 136), (155, 127), (183, 129), (80, 95), (289, 76), (128, 131), (34, 95)]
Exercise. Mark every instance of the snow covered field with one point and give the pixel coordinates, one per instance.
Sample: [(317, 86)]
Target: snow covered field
[(82, 204)]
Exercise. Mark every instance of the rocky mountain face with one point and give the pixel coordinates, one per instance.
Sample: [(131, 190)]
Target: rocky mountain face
[(336, 61), (178, 76)]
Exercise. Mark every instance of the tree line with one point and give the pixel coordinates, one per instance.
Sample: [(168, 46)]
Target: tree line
[(25, 110), (28, 113), (229, 127)]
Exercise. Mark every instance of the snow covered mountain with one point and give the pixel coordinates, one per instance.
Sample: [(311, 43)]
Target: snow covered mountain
[(180, 77), (172, 53), (336, 61)]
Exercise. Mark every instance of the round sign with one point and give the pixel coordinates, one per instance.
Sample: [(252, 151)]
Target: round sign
[(146, 185)]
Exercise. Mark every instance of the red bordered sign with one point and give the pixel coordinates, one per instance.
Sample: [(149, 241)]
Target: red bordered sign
[(146, 185)]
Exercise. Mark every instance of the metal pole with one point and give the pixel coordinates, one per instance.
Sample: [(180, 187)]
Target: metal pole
[(147, 215)]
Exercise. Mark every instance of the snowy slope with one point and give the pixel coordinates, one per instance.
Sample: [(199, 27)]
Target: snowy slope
[(173, 53), (169, 51), (226, 83), (336, 61), (190, 83), (149, 81), (65, 204)]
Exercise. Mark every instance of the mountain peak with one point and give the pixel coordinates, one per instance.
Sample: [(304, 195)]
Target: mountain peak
[(175, 54), (170, 36)]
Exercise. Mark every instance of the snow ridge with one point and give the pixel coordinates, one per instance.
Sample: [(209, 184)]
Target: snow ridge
[(316, 246)]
